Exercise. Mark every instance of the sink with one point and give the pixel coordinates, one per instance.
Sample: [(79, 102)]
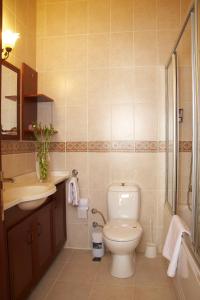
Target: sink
[(30, 196)]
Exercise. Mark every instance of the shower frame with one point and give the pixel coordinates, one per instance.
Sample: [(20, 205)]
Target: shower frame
[(193, 243)]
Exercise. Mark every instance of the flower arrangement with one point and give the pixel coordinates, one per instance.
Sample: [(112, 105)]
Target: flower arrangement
[(43, 135)]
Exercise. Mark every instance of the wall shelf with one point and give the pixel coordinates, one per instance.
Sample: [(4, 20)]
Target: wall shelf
[(38, 98), (13, 98)]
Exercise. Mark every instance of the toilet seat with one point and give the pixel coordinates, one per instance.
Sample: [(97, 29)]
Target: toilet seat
[(122, 230)]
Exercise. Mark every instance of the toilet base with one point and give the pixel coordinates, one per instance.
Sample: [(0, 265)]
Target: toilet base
[(123, 266)]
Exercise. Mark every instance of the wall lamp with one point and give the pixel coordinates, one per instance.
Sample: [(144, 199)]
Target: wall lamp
[(9, 39)]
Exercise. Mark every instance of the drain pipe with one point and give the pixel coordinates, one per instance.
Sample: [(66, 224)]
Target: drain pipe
[(95, 211)]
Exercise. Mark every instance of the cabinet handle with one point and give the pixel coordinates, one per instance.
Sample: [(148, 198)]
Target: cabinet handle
[(39, 229), (29, 239)]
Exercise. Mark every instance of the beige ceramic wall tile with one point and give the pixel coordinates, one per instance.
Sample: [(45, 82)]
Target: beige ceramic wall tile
[(166, 42), (168, 14), (99, 180), (122, 85), (54, 62), (145, 15), (99, 123), (98, 16), (77, 236), (98, 51), (145, 48), (122, 122), (56, 25), (98, 86), (121, 52), (22, 11), (58, 120), (76, 86), (59, 161), (41, 19), (122, 169), (148, 206), (146, 120), (185, 6), (121, 15), (8, 19), (79, 161), (77, 17), (76, 51), (77, 123), (185, 84), (146, 83), (54, 85), (9, 4)]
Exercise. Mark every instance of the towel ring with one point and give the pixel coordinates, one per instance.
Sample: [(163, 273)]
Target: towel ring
[(74, 173)]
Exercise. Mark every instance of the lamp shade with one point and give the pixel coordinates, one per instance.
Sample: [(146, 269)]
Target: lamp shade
[(9, 39)]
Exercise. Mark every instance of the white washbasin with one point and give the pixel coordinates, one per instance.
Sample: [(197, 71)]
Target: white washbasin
[(28, 197)]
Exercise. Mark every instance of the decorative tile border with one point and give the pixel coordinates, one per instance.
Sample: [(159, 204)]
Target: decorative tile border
[(15, 147)]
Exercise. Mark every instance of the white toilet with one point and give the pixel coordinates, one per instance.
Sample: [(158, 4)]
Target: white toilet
[(122, 233)]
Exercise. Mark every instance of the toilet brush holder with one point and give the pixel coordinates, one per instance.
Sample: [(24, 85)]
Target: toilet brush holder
[(151, 250)]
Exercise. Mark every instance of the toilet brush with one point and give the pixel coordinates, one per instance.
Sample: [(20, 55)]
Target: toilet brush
[(150, 251)]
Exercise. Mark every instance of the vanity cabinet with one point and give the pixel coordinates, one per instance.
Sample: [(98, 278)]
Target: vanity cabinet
[(34, 238)]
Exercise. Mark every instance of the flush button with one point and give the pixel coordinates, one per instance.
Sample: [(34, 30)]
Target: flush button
[(122, 184)]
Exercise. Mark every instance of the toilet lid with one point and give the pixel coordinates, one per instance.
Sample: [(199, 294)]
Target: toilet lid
[(122, 230)]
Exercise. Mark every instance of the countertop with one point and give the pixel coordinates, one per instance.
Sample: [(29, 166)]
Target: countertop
[(30, 179)]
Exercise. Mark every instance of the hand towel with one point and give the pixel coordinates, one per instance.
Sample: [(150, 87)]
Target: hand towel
[(172, 244), (73, 192)]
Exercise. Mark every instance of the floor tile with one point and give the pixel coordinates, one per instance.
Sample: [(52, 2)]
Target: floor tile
[(41, 290), (152, 293), (102, 292), (69, 291)]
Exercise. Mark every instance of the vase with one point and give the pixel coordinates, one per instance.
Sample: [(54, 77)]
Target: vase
[(42, 165)]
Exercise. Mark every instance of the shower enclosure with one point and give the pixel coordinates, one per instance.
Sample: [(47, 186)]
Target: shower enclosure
[(182, 130)]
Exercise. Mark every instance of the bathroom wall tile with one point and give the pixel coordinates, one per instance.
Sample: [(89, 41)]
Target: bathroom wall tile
[(77, 236), (59, 161), (185, 84), (76, 87), (122, 169), (145, 16), (79, 161), (122, 122), (58, 120), (121, 15), (72, 216), (54, 62), (186, 126), (168, 14), (148, 207), (98, 86), (98, 51), (55, 25), (121, 85), (121, 52), (99, 180), (77, 17), (77, 123), (98, 16), (10, 4), (146, 84), (44, 113), (98, 200), (145, 48), (22, 11), (166, 42), (76, 52), (41, 19), (99, 123), (54, 85), (145, 122), (185, 6)]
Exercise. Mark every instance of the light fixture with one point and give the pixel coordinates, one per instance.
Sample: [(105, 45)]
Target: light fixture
[(9, 39)]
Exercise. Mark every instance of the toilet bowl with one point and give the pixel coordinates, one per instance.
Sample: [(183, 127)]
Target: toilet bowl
[(121, 237), (122, 233)]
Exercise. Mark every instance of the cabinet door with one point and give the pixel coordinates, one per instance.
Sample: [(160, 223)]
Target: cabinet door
[(42, 247), (20, 258), (59, 217)]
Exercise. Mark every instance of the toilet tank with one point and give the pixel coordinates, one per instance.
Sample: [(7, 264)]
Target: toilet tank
[(123, 202)]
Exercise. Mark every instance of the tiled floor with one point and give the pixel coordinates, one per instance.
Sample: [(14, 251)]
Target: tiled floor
[(74, 276)]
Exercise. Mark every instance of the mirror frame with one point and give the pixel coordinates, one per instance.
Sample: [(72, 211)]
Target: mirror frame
[(16, 70)]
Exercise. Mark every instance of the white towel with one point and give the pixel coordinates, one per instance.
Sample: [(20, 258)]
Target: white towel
[(73, 192), (172, 244)]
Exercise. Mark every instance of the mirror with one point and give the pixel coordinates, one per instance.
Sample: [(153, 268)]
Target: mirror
[(10, 96)]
